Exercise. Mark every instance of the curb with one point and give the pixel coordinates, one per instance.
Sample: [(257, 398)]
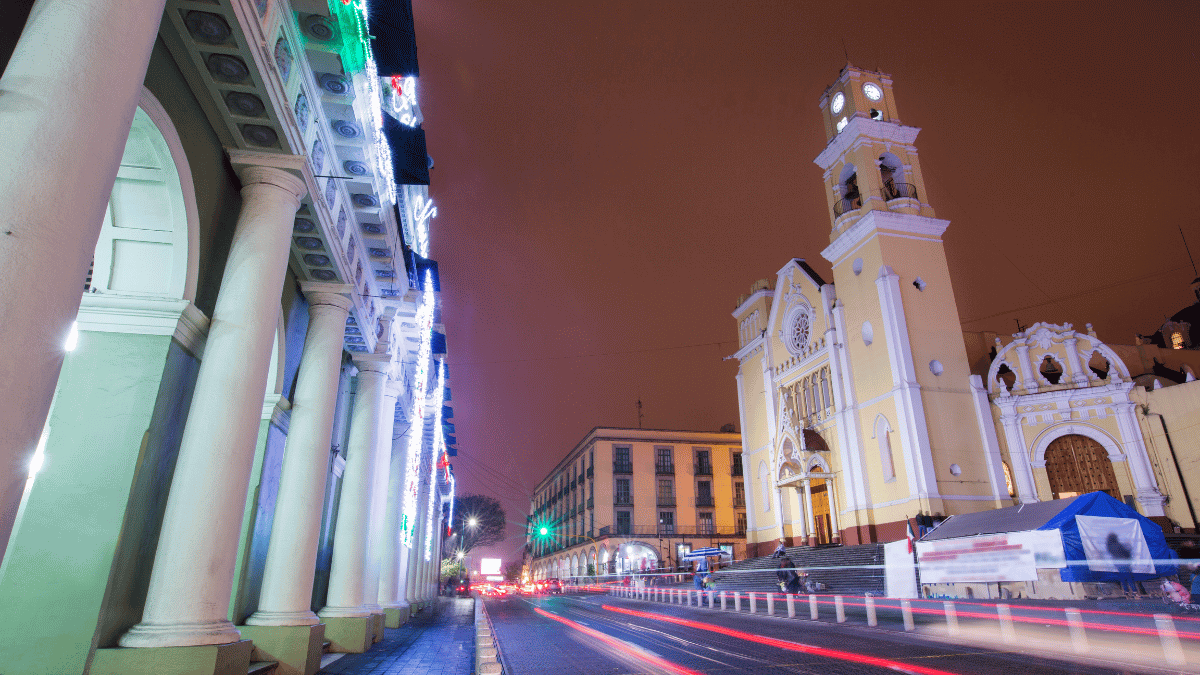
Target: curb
[(487, 651)]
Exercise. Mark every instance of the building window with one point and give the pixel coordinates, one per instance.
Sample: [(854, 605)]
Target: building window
[(704, 520), (624, 522), (664, 460), (621, 461), (741, 522), (736, 469), (739, 494), (666, 522), (623, 496), (703, 462), (704, 495), (666, 492)]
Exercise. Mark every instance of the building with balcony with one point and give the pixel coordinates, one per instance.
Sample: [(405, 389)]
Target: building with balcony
[(233, 436), (636, 499), (879, 408)]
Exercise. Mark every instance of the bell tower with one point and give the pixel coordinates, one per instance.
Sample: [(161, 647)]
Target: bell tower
[(917, 407)]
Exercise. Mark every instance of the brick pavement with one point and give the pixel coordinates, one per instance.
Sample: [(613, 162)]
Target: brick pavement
[(438, 641)]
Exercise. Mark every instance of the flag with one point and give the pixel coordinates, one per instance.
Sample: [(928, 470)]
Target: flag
[(909, 533)]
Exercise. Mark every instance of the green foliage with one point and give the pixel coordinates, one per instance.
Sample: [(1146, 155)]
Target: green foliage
[(452, 567)]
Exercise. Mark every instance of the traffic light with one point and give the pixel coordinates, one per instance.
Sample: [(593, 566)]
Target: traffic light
[(543, 531)]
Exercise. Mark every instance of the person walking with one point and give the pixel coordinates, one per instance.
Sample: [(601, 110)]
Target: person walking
[(701, 572)]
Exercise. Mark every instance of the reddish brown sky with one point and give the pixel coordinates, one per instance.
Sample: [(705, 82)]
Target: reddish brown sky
[(611, 176)]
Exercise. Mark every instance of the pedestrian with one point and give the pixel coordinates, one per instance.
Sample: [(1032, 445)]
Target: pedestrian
[(701, 571), (780, 550), (789, 581)]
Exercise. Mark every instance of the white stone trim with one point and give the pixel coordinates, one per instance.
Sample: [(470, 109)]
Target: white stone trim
[(860, 129), (987, 433), (112, 313), (884, 223), (762, 292)]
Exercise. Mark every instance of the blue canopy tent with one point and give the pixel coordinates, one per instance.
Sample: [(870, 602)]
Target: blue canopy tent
[(1111, 530)]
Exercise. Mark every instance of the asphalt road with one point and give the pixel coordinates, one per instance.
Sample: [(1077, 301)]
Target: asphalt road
[(588, 634)]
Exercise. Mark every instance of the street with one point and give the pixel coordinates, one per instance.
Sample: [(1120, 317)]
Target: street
[(606, 634)]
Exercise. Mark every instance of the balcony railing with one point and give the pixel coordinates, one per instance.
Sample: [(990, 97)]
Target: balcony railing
[(622, 467), (590, 470), (739, 501), (664, 500), (623, 500), (736, 470), (846, 204), (590, 502), (704, 500), (702, 469), (665, 530), (581, 479), (664, 469), (898, 191)]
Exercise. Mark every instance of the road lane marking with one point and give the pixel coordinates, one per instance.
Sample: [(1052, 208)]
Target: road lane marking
[(620, 645), (786, 644)]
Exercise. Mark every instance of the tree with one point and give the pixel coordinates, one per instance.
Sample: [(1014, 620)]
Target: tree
[(479, 520), (512, 571)]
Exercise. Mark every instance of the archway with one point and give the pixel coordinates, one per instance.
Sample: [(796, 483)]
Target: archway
[(820, 508), (1076, 464)]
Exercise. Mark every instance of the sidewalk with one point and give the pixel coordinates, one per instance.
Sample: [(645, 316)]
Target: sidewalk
[(438, 641)]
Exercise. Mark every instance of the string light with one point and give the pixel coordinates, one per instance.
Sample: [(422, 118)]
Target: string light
[(424, 321), (438, 443)]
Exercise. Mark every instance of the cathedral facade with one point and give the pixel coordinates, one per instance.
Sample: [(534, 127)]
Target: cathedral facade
[(865, 406)]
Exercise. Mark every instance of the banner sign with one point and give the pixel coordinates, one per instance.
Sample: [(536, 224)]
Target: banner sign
[(1010, 556)]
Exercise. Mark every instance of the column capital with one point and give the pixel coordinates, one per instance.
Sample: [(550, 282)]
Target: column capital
[(286, 172), (324, 293), (377, 363)]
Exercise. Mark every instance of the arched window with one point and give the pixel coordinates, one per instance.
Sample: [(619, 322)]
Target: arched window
[(143, 245), (882, 436), (825, 397)]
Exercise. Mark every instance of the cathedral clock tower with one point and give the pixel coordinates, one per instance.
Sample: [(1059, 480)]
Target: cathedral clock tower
[(918, 415)]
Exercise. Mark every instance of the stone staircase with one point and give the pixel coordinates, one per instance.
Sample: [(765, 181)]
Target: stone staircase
[(852, 570)]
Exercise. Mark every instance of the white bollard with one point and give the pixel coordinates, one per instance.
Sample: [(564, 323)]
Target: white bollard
[(1079, 641), (951, 617), (840, 608), (812, 607), (753, 601), (872, 620), (1172, 650), (906, 610), (711, 599), (770, 604), (791, 602), (737, 601), (722, 601), (1007, 632)]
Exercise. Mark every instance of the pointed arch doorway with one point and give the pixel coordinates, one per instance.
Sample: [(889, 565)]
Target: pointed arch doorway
[(1076, 464)]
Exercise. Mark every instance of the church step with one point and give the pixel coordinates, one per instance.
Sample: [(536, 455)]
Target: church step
[(263, 668)]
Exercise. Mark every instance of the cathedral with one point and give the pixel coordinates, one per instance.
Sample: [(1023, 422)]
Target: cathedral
[(865, 407)]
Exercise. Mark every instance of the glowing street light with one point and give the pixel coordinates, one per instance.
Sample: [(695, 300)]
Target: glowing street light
[(473, 522)]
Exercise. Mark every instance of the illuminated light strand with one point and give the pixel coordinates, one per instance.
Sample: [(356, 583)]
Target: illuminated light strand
[(416, 437), (450, 520), (422, 210), (401, 98), (787, 644), (620, 645), (438, 399)]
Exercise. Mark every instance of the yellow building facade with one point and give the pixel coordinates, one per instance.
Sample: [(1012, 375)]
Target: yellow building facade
[(636, 500), (863, 404)]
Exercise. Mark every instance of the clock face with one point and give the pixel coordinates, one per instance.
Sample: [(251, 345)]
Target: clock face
[(872, 91), (839, 100)]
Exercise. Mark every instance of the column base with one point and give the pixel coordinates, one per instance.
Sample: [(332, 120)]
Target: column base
[(812, 540), (302, 618), (227, 659), (146, 635), (394, 617), (349, 635), (297, 649), (377, 622)]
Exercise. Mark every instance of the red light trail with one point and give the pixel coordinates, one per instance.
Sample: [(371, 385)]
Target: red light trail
[(619, 645), (785, 644)]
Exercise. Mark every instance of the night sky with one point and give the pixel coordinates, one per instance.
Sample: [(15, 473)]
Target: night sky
[(611, 176)]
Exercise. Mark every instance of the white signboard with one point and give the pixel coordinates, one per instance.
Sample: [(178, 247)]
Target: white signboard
[(900, 572), (489, 565), (1012, 556), (1114, 544)]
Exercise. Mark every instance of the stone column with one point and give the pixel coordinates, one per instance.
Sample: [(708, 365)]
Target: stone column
[(808, 513), (833, 510), (187, 601), (346, 617), (62, 132), (292, 553), (395, 606), (379, 501)]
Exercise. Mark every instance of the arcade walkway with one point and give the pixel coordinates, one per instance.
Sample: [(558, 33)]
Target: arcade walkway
[(438, 641)]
